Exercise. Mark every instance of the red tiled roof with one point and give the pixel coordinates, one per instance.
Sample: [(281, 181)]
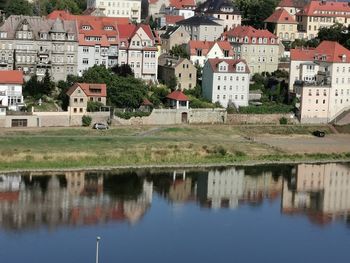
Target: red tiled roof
[(11, 77), (179, 4), (232, 63), (206, 46), (326, 8), (328, 51), (172, 19), (87, 89), (292, 3), (250, 32), (146, 102), (281, 16), (177, 95)]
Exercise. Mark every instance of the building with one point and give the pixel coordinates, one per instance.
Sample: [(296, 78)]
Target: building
[(173, 36), (180, 69), (318, 14), (183, 8), (81, 93), (11, 82), (225, 11), (169, 20), (98, 38), (292, 6), (226, 81), (259, 47), (35, 44), (177, 100), (200, 51), (321, 79), (118, 8), (138, 47), (202, 28), (283, 25), (156, 7)]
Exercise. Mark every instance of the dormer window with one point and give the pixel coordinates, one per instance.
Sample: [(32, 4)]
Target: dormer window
[(253, 40), (246, 39), (86, 27), (259, 40), (3, 35), (272, 41), (343, 58), (108, 28), (265, 40)]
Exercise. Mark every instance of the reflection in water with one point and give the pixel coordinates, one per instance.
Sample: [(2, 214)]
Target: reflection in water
[(322, 192)]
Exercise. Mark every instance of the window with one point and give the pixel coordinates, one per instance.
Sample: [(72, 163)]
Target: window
[(75, 100), (81, 100), (19, 123), (219, 87), (85, 61)]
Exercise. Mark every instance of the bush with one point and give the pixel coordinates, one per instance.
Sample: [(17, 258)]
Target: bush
[(94, 106), (267, 109), (127, 115), (283, 120), (86, 120)]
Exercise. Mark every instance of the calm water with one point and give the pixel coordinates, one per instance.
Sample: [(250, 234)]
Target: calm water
[(296, 213)]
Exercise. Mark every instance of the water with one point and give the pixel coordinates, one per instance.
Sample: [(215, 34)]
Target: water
[(284, 213)]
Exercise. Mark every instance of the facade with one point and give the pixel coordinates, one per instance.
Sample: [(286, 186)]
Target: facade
[(183, 8), (176, 35), (179, 68), (200, 51), (225, 11), (318, 14), (202, 28), (98, 38), (169, 20), (11, 82), (321, 79), (260, 48), (156, 7), (177, 100), (226, 81), (138, 47), (35, 44), (292, 6), (283, 25), (118, 8), (81, 93)]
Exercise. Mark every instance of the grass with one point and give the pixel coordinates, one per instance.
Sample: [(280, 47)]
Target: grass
[(203, 144), (343, 128)]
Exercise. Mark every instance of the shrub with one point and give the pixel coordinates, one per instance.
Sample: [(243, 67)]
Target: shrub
[(283, 120), (127, 115), (86, 120), (94, 106), (267, 109)]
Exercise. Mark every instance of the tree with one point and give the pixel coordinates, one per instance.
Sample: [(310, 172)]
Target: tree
[(19, 7), (93, 106), (172, 83), (123, 70), (179, 51), (31, 87), (47, 85)]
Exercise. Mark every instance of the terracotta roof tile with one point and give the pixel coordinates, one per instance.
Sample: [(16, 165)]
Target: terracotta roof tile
[(179, 4), (177, 95), (11, 77), (248, 31), (281, 16), (232, 63), (90, 89), (326, 8), (206, 46)]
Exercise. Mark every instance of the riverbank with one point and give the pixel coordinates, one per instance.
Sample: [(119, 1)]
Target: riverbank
[(84, 148)]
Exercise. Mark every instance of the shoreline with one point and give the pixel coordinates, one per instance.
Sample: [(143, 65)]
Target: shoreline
[(179, 166)]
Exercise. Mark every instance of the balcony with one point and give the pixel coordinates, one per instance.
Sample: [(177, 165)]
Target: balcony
[(324, 73)]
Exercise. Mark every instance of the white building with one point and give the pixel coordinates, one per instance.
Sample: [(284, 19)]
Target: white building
[(11, 82), (226, 81), (118, 8), (321, 77)]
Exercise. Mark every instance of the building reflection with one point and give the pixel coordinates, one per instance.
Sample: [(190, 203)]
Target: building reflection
[(319, 191), (73, 198)]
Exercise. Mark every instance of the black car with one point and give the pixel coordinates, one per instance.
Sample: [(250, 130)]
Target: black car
[(100, 126), (319, 133)]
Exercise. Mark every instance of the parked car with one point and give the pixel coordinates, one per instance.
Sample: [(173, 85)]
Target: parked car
[(319, 133), (100, 126)]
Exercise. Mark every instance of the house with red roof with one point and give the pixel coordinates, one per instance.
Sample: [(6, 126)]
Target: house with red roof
[(178, 100), (81, 93), (169, 20), (317, 14), (156, 7), (260, 48), (200, 51), (11, 97), (139, 49), (226, 81), (320, 77), (292, 6), (283, 25), (183, 8)]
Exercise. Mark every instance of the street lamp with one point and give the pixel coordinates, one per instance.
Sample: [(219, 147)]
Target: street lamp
[(97, 243)]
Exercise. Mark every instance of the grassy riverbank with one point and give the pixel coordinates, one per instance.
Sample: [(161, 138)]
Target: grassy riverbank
[(62, 148)]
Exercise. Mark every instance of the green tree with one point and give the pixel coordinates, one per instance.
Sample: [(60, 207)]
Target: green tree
[(123, 70), (93, 106), (19, 7), (179, 51), (172, 83), (47, 85), (31, 87)]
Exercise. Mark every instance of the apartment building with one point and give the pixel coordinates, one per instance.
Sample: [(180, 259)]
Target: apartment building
[(35, 44), (283, 25), (226, 81), (202, 28), (225, 11), (118, 8), (324, 88), (260, 48), (292, 6), (138, 47), (200, 51), (318, 14), (180, 69), (11, 82), (173, 36), (155, 7)]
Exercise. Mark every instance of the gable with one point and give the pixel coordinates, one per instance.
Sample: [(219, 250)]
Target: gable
[(215, 51)]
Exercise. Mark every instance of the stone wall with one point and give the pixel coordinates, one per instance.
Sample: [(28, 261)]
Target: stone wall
[(258, 118)]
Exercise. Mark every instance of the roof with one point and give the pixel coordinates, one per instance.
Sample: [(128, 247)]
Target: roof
[(281, 16), (146, 102), (218, 7), (11, 77), (327, 51), (198, 20), (293, 3), (172, 19), (241, 32), (179, 4), (206, 46), (177, 95), (166, 60), (88, 89), (325, 8), (232, 63)]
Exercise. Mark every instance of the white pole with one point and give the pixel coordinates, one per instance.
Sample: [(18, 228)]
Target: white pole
[(97, 242)]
